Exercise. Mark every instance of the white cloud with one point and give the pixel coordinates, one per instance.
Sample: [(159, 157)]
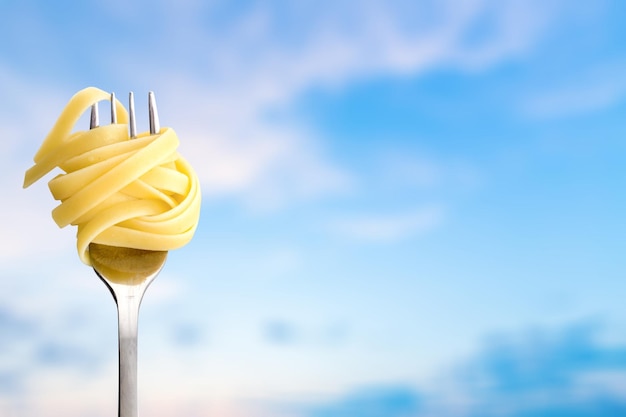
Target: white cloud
[(412, 169), (270, 60), (389, 228)]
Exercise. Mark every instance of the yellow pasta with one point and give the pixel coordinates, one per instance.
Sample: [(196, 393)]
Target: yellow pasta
[(136, 193)]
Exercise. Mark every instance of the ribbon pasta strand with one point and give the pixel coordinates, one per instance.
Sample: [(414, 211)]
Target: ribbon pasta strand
[(137, 193)]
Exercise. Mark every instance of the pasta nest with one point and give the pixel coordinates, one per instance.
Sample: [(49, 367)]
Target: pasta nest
[(136, 193)]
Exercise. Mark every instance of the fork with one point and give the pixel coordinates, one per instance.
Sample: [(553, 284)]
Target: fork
[(127, 272)]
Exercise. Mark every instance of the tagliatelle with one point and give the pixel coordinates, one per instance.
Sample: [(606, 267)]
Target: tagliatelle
[(136, 193)]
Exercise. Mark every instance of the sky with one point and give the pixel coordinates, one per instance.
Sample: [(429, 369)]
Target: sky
[(410, 209)]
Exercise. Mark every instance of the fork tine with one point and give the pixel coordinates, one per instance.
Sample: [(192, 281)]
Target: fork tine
[(113, 109), (155, 126), (94, 119), (131, 115)]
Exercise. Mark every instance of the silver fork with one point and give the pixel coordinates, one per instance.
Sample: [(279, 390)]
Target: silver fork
[(127, 273)]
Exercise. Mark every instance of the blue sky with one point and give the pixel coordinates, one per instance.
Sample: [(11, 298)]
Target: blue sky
[(411, 208)]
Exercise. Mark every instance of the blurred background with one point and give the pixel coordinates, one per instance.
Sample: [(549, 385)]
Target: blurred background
[(411, 208)]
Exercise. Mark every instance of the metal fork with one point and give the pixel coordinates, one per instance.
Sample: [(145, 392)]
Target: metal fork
[(127, 273)]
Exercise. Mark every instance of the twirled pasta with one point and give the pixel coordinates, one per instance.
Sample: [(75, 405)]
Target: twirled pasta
[(137, 193)]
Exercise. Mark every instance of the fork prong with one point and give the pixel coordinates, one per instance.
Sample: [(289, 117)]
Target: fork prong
[(94, 119), (113, 109), (153, 114), (131, 115)]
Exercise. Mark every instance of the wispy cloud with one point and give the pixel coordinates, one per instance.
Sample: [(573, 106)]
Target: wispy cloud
[(287, 332), (386, 228), (13, 325), (413, 170), (382, 401), (280, 332), (544, 373), (186, 334), (581, 91), (65, 354)]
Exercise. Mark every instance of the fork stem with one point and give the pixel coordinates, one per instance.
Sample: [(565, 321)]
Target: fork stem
[(128, 299)]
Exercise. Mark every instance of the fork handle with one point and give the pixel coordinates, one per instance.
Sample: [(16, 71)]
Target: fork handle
[(128, 301)]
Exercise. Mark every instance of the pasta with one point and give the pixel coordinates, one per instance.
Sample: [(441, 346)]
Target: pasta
[(136, 193)]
